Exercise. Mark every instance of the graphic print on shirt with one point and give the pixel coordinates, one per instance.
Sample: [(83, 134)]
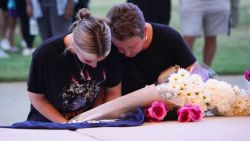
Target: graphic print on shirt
[(81, 93)]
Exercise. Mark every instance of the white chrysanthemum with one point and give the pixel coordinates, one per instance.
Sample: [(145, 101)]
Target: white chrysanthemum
[(183, 73), (173, 86), (222, 95), (183, 85), (211, 94), (196, 80), (206, 96), (173, 78), (165, 90)]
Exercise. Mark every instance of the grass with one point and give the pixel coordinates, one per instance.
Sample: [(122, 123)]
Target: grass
[(232, 55)]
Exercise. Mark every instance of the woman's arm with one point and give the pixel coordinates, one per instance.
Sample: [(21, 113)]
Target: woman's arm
[(119, 106), (45, 108)]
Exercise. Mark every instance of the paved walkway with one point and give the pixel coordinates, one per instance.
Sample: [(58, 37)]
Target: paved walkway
[(14, 101)]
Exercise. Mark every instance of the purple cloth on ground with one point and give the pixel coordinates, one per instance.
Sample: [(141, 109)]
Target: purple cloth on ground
[(134, 119)]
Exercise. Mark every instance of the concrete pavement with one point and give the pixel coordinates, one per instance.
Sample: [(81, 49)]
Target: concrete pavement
[(14, 101)]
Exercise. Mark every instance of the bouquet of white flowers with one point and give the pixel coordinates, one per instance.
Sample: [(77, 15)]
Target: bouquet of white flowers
[(189, 92), (213, 94)]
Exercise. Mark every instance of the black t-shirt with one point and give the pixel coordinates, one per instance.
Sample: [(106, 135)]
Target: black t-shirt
[(166, 49), (54, 72)]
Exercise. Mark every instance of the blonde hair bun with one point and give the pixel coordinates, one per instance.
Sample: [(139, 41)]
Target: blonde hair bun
[(83, 13)]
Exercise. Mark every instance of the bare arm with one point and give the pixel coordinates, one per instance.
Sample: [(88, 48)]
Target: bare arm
[(45, 108), (115, 108)]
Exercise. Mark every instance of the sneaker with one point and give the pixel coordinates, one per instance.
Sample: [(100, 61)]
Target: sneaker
[(3, 54), (13, 50), (5, 44), (27, 52), (23, 44)]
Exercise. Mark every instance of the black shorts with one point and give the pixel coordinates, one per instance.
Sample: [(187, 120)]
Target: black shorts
[(3, 5)]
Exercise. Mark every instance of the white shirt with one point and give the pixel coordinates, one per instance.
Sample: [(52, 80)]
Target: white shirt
[(210, 5)]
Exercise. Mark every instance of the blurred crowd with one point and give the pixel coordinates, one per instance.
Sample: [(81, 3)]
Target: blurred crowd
[(198, 18), (29, 18), (47, 18)]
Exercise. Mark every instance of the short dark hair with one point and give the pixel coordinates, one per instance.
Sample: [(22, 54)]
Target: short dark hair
[(126, 20)]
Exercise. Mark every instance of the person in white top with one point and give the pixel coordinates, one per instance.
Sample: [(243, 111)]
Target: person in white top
[(207, 18)]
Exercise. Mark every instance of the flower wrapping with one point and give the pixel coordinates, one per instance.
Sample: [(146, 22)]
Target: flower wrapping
[(181, 89), (115, 109)]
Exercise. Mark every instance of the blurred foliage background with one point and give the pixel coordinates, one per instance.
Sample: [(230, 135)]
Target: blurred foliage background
[(232, 56)]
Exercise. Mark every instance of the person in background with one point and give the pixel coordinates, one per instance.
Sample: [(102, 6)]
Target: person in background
[(234, 16), (79, 5), (25, 27), (8, 24), (3, 28), (147, 48), (54, 17), (69, 73), (207, 18), (157, 11)]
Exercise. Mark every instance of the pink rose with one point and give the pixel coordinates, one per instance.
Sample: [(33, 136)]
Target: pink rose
[(156, 112), (195, 113), (184, 114), (189, 113), (247, 74)]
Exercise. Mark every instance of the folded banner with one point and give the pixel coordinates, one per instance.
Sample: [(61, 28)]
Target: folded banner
[(129, 119)]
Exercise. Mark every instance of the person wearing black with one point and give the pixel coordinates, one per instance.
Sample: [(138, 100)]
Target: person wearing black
[(79, 5), (148, 48), (157, 11), (25, 26), (73, 73)]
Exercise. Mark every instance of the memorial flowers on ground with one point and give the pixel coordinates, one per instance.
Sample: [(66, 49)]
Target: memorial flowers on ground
[(220, 97)]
